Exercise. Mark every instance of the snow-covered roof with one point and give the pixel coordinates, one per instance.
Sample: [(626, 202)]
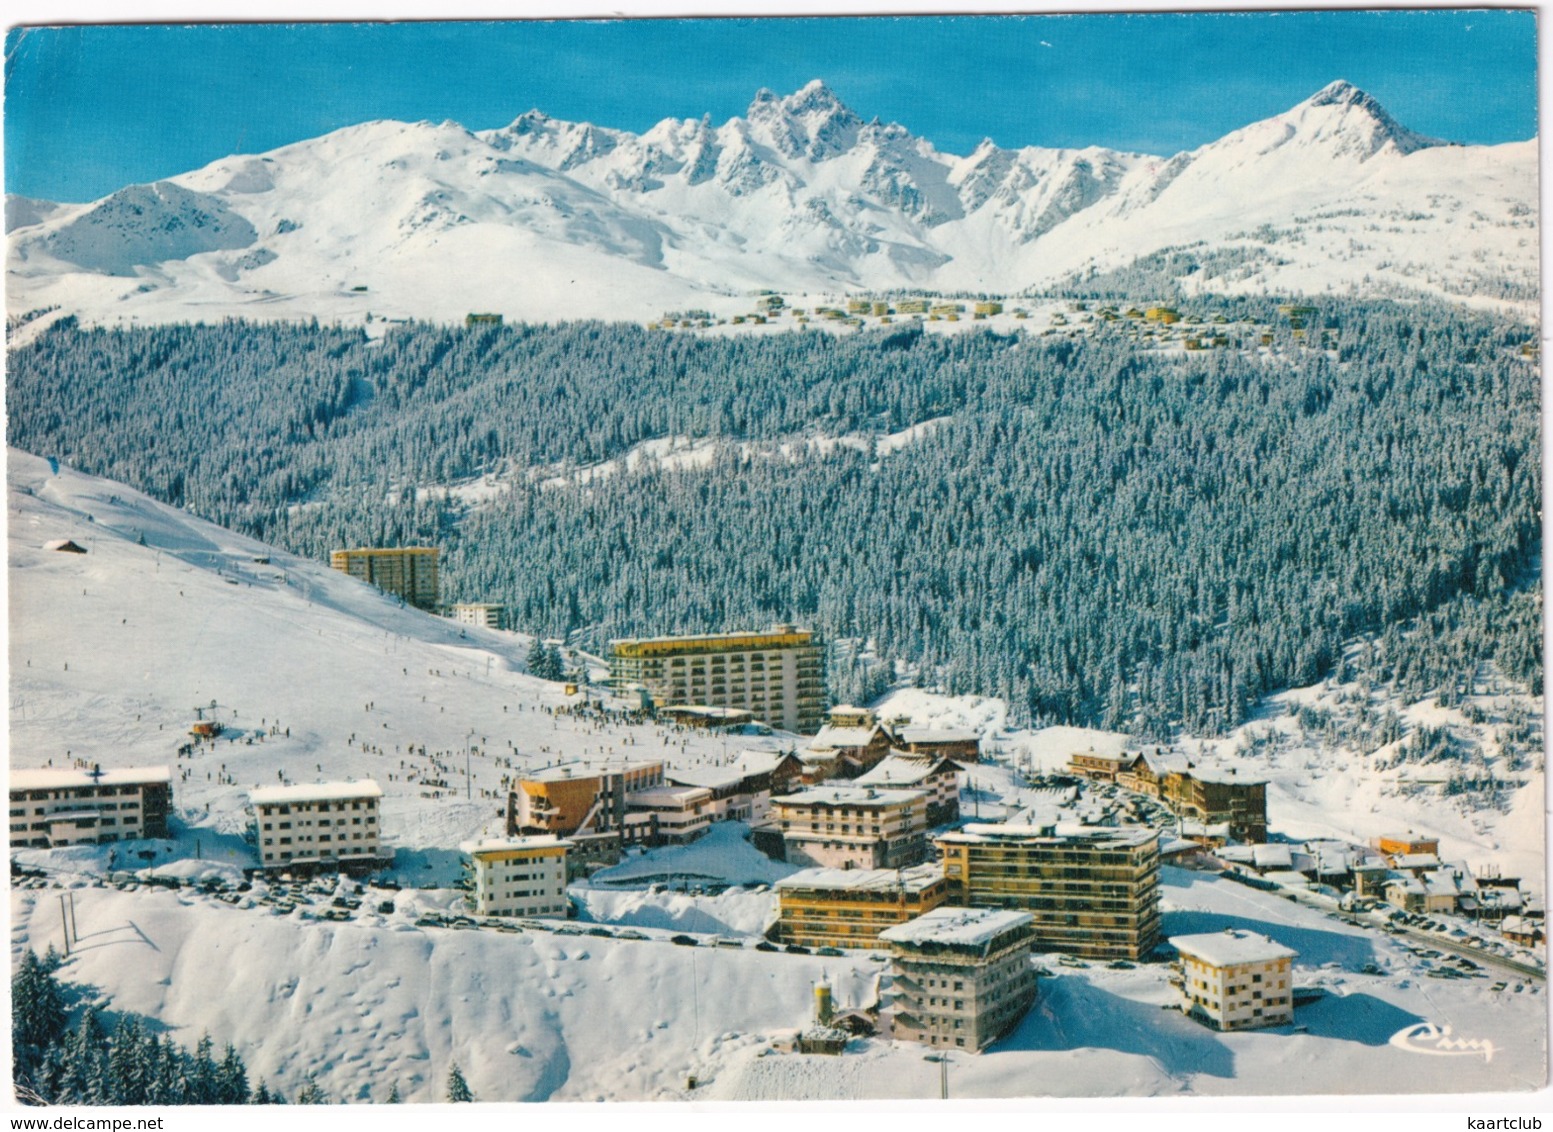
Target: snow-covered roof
[(1224, 777), (864, 796), (1099, 835), (509, 844), (948, 926), (565, 771), (936, 734), (668, 796), (1271, 856), (1288, 878), (838, 738), (1231, 947), (710, 777), (1416, 861), (759, 762), (914, 879), (315, 792), (897, 769), (62, 778)]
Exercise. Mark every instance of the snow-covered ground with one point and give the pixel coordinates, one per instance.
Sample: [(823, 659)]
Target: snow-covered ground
[(111, 650)]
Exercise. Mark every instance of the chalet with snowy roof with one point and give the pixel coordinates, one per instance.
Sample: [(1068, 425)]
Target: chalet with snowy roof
[(68, 546), (851, 742), (1406, 893), (54, 808), (850, 907), (771, 771), (958, 743), (1236, 980), (1149, 770), (852, 827), (1523, 930), (1495, 898), (317, 826), (939, 777), (1101, 768), (1415, 863), (519, 876), (963, 976)]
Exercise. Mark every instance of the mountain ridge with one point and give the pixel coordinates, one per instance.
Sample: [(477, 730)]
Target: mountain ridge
[(801, 194)]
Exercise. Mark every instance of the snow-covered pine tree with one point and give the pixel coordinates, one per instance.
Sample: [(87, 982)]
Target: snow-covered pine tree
[(458, 1088)]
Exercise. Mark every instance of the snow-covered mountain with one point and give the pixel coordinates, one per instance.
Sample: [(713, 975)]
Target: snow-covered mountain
[(546, 219)]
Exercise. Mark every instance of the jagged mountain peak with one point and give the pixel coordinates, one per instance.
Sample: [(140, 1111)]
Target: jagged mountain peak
[(1341, 108)]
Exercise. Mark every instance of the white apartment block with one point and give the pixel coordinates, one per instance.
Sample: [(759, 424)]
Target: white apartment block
[(319, 825), (53, 808), (1236, 980), (519, 876)]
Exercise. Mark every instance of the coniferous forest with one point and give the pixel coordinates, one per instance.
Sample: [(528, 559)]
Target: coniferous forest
[(1098, 531)]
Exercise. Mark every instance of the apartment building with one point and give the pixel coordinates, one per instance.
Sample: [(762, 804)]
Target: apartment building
[(778, 676), (484, 614), (519, 876), (1091, 891), (409, 572), (668, 815), (842, 827), (321, 825), (1236, 980), (850, 907), (51, 808), (963, 976), (578, 797)]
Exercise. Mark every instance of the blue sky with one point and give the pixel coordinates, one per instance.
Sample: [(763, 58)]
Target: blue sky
[(90, 109)]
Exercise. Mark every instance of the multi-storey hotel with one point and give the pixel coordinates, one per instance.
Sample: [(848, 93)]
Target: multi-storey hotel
[(850, 907), (777, 676), (318, 825), (1091, 891), (407, 571), (52, 808), (519, 876), (963, 976), (1236, 980), (839, 827)]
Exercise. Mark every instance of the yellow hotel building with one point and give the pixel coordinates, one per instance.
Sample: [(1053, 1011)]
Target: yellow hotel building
[(409, 572), (850, 907), (778, 676)]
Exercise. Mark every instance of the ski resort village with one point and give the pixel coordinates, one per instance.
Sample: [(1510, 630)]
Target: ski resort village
[(438, 847)]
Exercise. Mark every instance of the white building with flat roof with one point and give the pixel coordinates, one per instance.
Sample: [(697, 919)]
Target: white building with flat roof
[(318, 825), (52, 808), (519, 876), (1236, 980)]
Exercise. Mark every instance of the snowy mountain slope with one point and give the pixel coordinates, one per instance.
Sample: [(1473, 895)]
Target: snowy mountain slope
[(545, 219), (111, 650)]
